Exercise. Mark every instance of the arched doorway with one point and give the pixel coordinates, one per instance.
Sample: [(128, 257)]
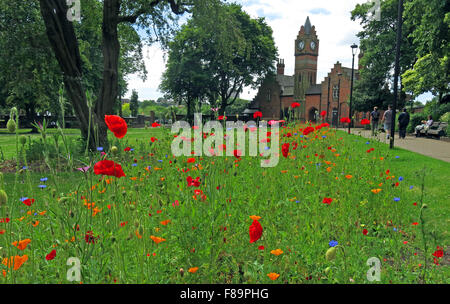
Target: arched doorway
[(334, 117), (312, 114)]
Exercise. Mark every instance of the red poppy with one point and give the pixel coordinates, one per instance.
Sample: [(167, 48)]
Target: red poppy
[(89, 237), (365, 122), (28, 201), (51, 255), (127, 149), (345, 120), (193, 182), (308, 130), (257, 114), (153, 139), (237, 153), (325, 124), (365, 231), (117, 125), (255, 230), (323, 113), (191, 160), (327, 200), (295, 105), (221, 117), (285, 149), (108, 167), (4, 220), (294, 145), (155, 124), (439, 253)]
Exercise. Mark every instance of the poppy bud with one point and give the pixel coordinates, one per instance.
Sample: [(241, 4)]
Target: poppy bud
[(331, 254), (327, 270), (424, 206), (181, 271), (114, 150), (3, 197), (71, 213), (11, 126), (53, 192), (22, 140)]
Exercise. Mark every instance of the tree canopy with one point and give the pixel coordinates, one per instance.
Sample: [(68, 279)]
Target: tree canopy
[(217, 53)]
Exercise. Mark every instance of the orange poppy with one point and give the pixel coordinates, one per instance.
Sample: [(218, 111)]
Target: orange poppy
[(165, 222), (157, 239), (18, 261), (22, 244), (255, 217), (276, 252), (193, 269), (273, 276)]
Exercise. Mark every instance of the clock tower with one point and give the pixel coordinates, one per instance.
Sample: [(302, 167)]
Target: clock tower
[(306, 54)]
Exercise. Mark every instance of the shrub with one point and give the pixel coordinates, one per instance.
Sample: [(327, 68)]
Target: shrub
[(415, 120)]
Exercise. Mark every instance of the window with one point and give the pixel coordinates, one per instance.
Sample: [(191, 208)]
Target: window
[(335, 92)]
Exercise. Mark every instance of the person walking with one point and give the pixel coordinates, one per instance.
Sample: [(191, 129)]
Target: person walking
[(387, 119), (403, 121), (374, 117)]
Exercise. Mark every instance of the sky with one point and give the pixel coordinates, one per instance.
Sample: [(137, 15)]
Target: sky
[(331, 18)]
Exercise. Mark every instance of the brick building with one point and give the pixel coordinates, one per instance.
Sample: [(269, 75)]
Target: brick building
[(332, 95)]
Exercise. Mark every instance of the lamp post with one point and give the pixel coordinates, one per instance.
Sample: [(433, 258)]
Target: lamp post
[(354, 50), (339, 98), (396, 70)]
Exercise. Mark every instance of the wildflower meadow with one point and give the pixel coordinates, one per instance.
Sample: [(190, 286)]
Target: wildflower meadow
[(336, 208)]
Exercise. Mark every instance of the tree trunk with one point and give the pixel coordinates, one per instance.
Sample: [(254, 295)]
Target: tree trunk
[(61, 35)]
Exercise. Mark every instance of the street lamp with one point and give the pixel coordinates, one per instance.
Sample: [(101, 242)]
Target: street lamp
[(354, 50), (339, 98)]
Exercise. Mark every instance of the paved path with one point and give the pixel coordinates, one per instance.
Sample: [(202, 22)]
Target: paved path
[(439, 149)]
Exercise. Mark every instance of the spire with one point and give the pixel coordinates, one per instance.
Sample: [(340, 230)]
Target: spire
[(307, 26)]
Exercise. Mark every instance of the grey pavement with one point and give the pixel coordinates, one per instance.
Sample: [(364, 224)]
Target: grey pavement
[(439, 149)]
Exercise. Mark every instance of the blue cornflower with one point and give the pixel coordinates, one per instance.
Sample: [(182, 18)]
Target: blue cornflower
[(400, 178), (44, 179), (323, 136), (397, 156), (131, 149), (160, 160), (395, 229), (266, 148), (99, 149), (410, 187), (333, 243), (297, 201), (24, 167), (23, 199), (396, 199), (367, 142), (134, 165), (42, 186), (149, 167), (301, 136), (295, 133)]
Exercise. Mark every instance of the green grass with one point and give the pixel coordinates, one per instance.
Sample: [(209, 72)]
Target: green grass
[(210, 229)]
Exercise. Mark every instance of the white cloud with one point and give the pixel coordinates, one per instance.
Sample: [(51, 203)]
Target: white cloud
[(335, 29)]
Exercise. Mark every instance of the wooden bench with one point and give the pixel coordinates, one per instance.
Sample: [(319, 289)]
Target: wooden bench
[(437, 129)]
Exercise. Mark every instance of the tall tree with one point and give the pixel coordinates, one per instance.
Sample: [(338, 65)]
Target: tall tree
[(30, 76), (430, 21), (225, 50), (378, 42), (64, 41), (134, 103)]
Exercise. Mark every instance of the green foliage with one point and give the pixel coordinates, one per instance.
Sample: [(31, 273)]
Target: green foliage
[(415, 120), (134, 103), (126, 112), (429, 21), (217, 53)]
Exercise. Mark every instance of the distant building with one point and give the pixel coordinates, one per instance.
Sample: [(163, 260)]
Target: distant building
[(125, 100), (277, 93)]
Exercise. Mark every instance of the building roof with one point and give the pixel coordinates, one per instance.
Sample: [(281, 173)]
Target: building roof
[(314, 90), (286, 83), (307, 26)]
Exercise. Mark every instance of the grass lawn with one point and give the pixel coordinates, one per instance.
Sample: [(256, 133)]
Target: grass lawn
[(332, 203)]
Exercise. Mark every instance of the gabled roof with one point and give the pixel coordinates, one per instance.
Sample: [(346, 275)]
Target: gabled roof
[(286, 83)]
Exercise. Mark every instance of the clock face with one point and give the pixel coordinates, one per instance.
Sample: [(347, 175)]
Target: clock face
[(313, 45), (301, 45)]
